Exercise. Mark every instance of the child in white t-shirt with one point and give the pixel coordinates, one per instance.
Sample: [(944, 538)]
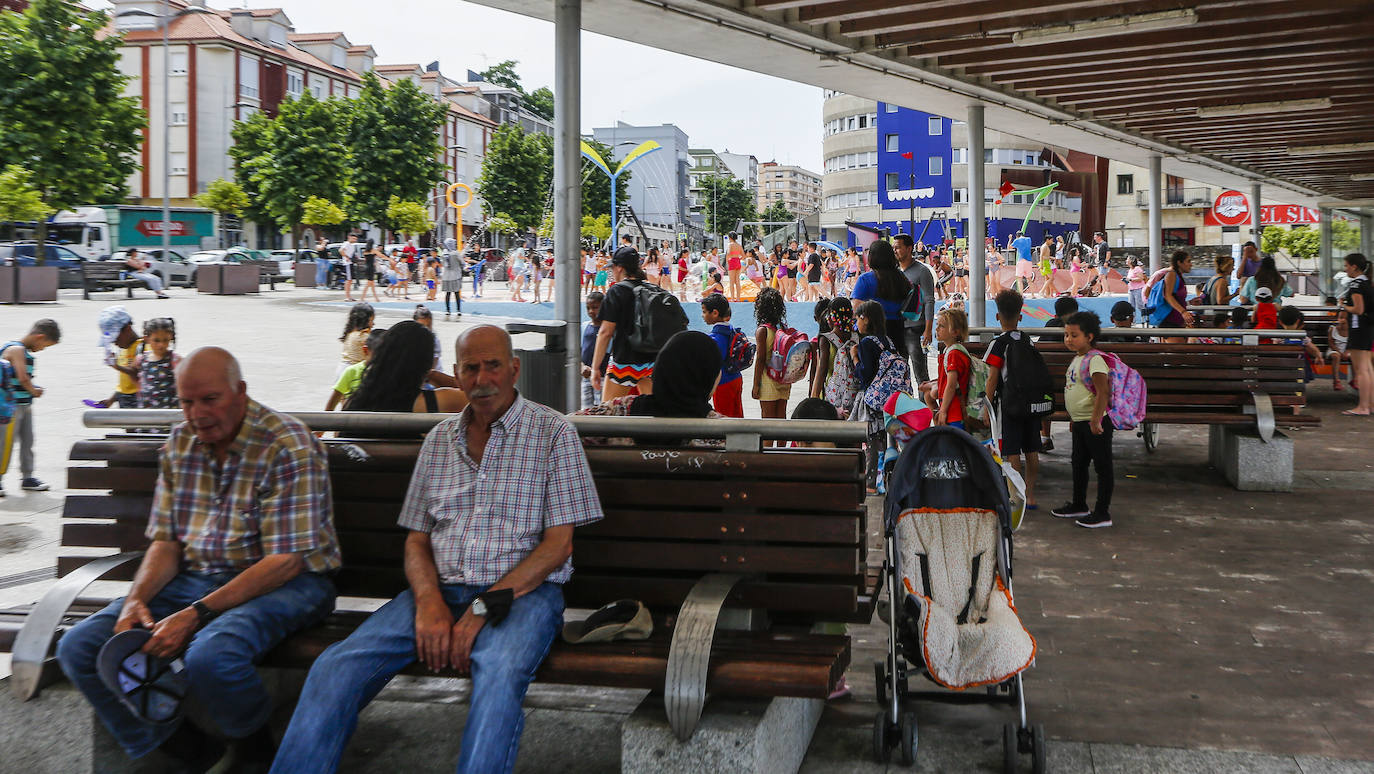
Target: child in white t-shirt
[(1088, 421)]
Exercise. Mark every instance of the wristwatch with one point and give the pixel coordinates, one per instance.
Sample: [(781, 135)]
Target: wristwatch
[(204, 614), (479, 607)]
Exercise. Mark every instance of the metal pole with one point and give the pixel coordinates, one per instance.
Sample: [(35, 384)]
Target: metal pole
[(615, 211), (1255, 229), (167, 133), (1325, 260), (977, 226), (567, 186), (1156, 238), (1367, 235)]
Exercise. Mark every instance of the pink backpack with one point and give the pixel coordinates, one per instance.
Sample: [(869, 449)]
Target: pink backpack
[(790, 359), (1126, 408)]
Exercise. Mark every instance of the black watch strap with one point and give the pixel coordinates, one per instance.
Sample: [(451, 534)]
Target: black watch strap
[(203, 612)]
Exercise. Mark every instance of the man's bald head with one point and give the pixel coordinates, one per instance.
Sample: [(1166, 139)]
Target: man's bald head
[(207, 361), (485, 336), (487, 370), (212, 395)]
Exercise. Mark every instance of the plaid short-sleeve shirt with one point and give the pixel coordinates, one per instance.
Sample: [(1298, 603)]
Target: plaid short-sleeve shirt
[(271, 496), (483, 519)]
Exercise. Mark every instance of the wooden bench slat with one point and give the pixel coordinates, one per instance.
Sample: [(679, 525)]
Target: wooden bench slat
[(833, 466), (648, 494), (840, 527), (717, 557)]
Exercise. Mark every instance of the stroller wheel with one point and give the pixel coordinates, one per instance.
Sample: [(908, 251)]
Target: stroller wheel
[(909, 740), (880, 682), (1009, 751), (882, 748), (1038, 749)]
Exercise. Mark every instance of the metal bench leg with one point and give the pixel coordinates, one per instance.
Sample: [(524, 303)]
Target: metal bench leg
[(689, 656), (1264, 415), (34, 641)]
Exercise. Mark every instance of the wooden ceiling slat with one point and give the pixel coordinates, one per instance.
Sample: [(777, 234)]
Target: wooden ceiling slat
[(1148, 123), (992, 16), (1199, 57), (844, 10), (1231, 94), (1308, 73), (1294, 65)]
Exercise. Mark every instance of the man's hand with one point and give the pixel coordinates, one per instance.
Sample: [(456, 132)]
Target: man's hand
[(134, 614), (433, 623), (464, 633), (1095, 425), (171, 634)]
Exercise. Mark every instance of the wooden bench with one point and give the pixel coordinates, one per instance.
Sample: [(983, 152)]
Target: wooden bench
[(778, 536), (99, 276)]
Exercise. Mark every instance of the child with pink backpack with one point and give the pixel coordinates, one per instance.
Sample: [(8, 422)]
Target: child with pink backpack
[(1101, 394)]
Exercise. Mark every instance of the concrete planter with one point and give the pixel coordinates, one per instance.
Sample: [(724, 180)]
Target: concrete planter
[(36, 283), (305, 274), (227, 279)]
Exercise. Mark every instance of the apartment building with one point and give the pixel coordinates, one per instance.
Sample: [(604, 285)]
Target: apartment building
[(796, 187)]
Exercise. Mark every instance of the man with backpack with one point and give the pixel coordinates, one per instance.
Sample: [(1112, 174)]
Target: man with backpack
[(917, 332), (737, 353), (1019, 385), (637, 319)]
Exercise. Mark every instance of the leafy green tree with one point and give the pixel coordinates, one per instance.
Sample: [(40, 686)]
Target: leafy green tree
[(408, 217), (503, 74), (252, 140), (501, 223), (596, 186), (597, 229), (394, 140), (319, 212), (1271, 239), (63, 114), (1302, 242), (540, 103), (308, 157), (725, 202), (224, 197), (1345, 236), (19, 200), (515, 176)]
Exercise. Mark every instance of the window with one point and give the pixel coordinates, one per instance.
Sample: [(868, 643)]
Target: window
[(248, 77), (276, 36), (959, 156), (891, 108), (176, 65), (893, 181), (850, 123), (317, 86), (177, 113), (1125, 184), (178, 163), (295, 83), (1030, 158), (892, 143), (863, 122), (935, 125), (937, 165), (987, 155)]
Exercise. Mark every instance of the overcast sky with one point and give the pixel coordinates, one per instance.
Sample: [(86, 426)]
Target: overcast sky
[(621, 81)]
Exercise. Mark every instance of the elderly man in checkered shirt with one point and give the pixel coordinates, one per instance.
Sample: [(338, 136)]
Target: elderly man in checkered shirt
[(242, 545), (491, 509)]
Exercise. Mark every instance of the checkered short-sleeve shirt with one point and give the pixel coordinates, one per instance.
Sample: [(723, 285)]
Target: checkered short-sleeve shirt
[(483, 519), (271, 496)]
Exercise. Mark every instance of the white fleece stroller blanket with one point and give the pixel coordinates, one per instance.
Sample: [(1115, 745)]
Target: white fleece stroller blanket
[(966, 628)]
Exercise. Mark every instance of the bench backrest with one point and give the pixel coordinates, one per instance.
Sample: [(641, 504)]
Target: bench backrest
[(103, 270), (791, 520), (1197, 379)]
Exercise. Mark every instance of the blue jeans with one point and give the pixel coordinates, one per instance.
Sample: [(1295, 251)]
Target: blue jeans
[(224, 686), (351, 673), (322, 273)]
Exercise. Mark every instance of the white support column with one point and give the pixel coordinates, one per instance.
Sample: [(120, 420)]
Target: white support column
[(977, 227), (1324, 259), (567, 183), (1367, 235), (1256, 230), (1156, 236)]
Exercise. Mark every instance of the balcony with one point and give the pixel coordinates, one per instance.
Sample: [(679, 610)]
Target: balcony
[(1178, 198)]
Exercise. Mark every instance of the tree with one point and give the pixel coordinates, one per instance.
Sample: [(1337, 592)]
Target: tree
[(501, 223), (540, 102), (252, 139), (725, 201), (63, 113), (307, 157), (515, 176), (408, 217), (1302, 242), (503, 74), (1271, 239), (19, 200), (596, 186), (321, 212), (1345, 236), (596, 228), (394, 140), (224, 197)]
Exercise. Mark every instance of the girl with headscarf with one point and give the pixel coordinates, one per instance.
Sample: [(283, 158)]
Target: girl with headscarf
[(451, 277), (685, 374)]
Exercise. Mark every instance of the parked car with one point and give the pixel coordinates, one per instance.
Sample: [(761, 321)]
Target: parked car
[(201, 257), (67, 262), (174, 268), (286, 259)]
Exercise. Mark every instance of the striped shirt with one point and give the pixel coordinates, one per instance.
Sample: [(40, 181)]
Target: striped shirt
[(483, 519), (270, 496), (21, 395)]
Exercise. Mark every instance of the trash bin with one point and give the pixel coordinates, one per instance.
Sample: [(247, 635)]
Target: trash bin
[(542, 370)]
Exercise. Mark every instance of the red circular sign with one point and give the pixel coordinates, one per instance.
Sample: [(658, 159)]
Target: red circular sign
[(1231, 208)]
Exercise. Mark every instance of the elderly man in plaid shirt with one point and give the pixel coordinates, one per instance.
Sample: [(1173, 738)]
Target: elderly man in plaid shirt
[(242, 545), (491, 509)]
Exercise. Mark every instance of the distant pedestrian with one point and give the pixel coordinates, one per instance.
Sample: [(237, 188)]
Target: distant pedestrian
[(452, 279), (140, 269), (1358, 302), (156, 365), (734, 263), (360, 319), (19, 352), (322, 263), (728, 398), (372, 258), (349, 252)]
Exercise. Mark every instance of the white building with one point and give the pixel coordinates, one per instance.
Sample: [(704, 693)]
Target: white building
[(796, 187)]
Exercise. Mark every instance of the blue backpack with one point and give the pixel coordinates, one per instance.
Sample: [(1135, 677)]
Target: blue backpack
[(1159, 308), (6, 391)]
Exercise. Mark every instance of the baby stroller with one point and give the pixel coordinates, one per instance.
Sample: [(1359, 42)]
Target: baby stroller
[(947, 524)]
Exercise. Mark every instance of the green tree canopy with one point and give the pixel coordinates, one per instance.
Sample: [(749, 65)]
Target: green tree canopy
[(1302, 242), (1345, 236), (1271, 239), (725, 202), (540, 102), (252, 140), (223, 196), (408, 217), (321, 212), (19, 200), (63, 114), (597, 229), (777, 212), (503, 74), (515, 176), (501, 223), (393, 136), (308, 156)]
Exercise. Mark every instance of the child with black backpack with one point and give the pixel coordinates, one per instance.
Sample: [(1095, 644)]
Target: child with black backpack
[(1019, 385)]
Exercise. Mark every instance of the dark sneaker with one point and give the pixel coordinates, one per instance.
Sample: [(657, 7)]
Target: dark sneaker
[(1094, 520), (1070, 511), (2, 491), (33, 485)]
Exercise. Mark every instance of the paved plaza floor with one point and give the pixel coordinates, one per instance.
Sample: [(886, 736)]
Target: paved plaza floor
[(1209, 630)]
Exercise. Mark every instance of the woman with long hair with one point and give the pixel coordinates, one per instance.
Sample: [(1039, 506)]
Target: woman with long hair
[(1218, 288), (1358, 303), (1267, 276), (651, 268), (360, 318), (393, 377), (370, 260), (1176, 296), (885, 283)]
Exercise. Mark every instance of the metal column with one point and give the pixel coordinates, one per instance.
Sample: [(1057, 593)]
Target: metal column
[(1367, 235), (1156, 236), (977, 227), (567, 183), (1325, 261), (1255, 228)]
